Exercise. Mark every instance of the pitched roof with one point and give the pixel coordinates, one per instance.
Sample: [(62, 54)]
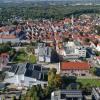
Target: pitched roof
[(8, 37), (4, 54), (74, 66)]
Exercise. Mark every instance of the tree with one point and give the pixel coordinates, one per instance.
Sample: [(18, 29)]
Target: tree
[(58, 81), (5, 48), (54, 80), (12, 51), (65, 39), (30, 49), (93, 70), (81, 33), (87, 40), (32, 59), (40, 92), (87, 88), (97, 28), (35, 93), (13, 98), (51, 77)]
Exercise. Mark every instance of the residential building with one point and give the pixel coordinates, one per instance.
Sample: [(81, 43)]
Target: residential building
[(67, 95), (97, 37), (27, 74), (9, 38), (46, 53), (97, 59), (4, 59), (74, 68)]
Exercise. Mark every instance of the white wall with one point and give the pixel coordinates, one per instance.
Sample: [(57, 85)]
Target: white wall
[(31, 81), (36, 51), (47, 59), (28, 81), (98, 48), (12, 80), (10, 74), (41, 58)]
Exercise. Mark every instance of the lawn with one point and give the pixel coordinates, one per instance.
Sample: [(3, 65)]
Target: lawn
[(22, 56), (92, 82), (32, 59)]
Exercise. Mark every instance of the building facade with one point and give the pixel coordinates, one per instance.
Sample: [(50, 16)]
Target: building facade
[(27, 75), (74, 68), (66, 95)]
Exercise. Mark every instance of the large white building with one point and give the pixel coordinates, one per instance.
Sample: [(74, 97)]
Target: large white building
[(72, 50), (27, 75)]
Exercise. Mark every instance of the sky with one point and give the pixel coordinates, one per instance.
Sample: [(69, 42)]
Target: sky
[(46, 0)]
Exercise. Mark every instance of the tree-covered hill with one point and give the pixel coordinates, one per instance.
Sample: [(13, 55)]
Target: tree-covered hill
[(38, 11)]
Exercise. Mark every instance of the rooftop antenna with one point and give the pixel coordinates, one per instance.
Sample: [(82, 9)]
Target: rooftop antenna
[(72, 21)]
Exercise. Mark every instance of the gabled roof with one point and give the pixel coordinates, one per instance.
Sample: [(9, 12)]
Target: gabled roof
[(74, 66), (4, 54)]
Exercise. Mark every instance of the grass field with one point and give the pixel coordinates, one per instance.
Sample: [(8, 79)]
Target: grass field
[(92, 82), (32, 59), (22, 56)]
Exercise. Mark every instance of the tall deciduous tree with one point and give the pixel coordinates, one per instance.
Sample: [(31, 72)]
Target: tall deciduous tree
[(54, 80)]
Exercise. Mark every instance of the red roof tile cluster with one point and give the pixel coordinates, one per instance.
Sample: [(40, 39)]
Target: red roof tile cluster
[(74, 66), (4, 54)]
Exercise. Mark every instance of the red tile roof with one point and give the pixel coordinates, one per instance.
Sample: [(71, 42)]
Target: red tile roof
[(8, 37), (2, 54), (74, 66)]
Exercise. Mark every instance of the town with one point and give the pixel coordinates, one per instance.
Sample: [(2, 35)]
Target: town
[(47, 59)]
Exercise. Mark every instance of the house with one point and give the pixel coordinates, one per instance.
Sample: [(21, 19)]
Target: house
[(67, 95), (74, 68), (96, 93), (97, 37), (97, 59), (4, 59), (7, 38), (27, 74)]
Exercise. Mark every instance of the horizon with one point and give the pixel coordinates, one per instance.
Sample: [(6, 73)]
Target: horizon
[(50, 0)]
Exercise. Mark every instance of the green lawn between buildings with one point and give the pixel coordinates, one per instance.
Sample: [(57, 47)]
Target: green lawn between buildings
[(22, 56), (92, 82)]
